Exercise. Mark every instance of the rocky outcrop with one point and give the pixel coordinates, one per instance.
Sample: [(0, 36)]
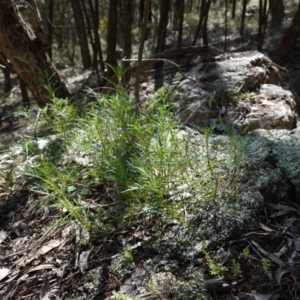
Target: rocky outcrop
[(239, 90), (229, 181), (266, 176)]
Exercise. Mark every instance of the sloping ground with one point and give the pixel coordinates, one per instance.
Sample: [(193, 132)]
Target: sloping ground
[(226, 225), (206, 253)]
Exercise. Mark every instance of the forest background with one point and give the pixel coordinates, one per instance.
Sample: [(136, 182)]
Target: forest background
[(103, 178), (99, 34)]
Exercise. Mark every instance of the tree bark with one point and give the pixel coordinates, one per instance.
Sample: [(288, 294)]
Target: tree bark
[(50, 28), (204, 32), (162, 26), (289, 39), (28, 56), (24, 93), (277, 12), (161, 40), (112, 27), (81, 33), (180, 25), (140, 53), (7, 81), (233, 10), (203, 12), (244, 6), (126, 32)]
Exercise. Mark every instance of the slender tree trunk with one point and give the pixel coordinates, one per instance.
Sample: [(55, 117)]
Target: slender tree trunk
[(289, 39), (140, 54), (205, 35), (225, 26), (161, 40), (93, 40), (181, 17), (203, 11), (162, 26), (96, 36), (141, 11), (50, 28), (277, 12), (7, 81), (126, 31), (81, 33), (25, 98), (262, 22), (28, 56), (233, 9), (112, 27), (244, 6)]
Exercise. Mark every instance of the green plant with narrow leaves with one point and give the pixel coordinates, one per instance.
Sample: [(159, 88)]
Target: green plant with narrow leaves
[(215, 269), (138, 157), (119, 296), (236, 267), (246, 253), (266, 264)]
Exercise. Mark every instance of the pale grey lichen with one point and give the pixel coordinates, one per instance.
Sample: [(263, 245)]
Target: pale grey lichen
[(286, 149), (121, 266), (190, 288)]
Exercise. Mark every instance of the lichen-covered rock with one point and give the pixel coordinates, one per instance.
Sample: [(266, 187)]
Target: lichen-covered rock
[(241, 91), (286, 150), (266, 175), (271, 108), (163, 278), (121, 265)]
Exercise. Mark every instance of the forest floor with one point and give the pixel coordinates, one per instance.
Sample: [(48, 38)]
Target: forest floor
[(40, 263), (39, 253)]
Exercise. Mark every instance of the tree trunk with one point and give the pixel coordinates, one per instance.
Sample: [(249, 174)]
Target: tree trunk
[(50, 28), (162, 26), (81, 33), (25, 98), (112, 27), (161, 40), (140, 53), (277, 12), (203, 12), (7, 81), (244, 6), (141, 11), (126, 31), (96, 36), (260, 25), (180, 25), (28, 56), (233, 9), (289, 39), (204, 32), (95, 40), (225, 26)]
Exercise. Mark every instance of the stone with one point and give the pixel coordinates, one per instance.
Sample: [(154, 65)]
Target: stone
[(240, 91)]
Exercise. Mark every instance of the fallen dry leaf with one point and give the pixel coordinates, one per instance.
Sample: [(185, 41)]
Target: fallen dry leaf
[(3, 235), (271, 256), (4, 272), (40, 267), (279, 273), (45, 290), (43, 250), (83, 260)]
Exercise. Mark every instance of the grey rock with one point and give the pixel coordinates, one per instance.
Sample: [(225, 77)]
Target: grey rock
[(241, 91)]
